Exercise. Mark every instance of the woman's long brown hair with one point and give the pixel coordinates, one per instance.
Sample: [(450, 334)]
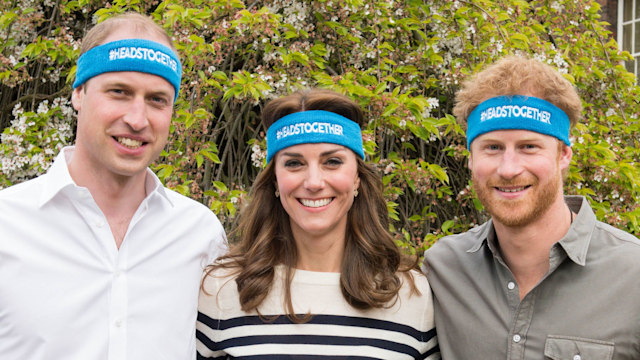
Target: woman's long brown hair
[(372, 263)]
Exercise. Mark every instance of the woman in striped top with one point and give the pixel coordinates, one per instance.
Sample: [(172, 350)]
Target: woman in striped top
[(315, 273)]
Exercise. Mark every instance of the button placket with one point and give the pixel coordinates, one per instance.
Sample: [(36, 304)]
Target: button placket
[(118, 307)]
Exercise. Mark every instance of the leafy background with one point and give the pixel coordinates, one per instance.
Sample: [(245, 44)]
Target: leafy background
[(401, 60)]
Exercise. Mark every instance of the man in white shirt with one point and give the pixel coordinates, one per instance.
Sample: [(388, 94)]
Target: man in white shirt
[(97, 259)]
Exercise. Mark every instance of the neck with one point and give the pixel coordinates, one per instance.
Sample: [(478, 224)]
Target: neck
[(118, 197), (526, 249), (319, 253)]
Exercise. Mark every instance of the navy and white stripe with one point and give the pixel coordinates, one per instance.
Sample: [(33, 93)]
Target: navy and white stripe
[(349, 335), (335, 331)]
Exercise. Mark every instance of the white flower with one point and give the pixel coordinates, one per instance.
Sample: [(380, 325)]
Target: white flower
[(389, 168), (257, 155), (556, 6)]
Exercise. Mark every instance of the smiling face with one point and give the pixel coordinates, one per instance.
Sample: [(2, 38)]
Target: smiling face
[(123, 119), (316, 184), (517, 174)]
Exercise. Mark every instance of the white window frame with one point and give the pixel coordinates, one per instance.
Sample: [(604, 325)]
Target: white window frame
[(634, 23)]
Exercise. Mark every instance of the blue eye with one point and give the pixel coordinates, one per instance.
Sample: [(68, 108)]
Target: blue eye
[(159, 101), (334, 161), (292, 163)]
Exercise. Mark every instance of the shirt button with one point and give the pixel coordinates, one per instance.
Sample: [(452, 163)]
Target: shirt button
[(516, 338), (511, 285), (577, 357), (118, 323), (99, 223)]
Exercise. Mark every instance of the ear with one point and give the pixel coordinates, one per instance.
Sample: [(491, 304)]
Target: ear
[(357, 183), (470, 160), (76, 97), (565, 157)]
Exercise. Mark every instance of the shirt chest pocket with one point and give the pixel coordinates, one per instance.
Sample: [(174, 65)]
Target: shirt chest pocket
[(574, 348)]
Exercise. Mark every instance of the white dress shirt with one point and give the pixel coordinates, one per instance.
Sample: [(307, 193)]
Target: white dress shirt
[(67, 292)]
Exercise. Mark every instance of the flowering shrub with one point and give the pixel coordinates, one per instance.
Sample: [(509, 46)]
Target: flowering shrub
[(29, 145), (401, 60)]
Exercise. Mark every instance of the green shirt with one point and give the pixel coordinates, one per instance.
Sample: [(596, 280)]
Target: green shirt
[(586, 307)]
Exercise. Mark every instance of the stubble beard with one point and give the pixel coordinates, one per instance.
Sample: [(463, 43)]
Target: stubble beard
[(521, 212)]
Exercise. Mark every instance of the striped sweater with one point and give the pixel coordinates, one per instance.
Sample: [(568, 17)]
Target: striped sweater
[(336, 330)]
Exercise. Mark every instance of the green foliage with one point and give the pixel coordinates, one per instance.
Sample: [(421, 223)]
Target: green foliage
[(402, 61)]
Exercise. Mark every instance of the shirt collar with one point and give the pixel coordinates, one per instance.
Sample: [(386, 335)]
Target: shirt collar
[(575, 242), (58, 179), (487, 233), (153, 185)]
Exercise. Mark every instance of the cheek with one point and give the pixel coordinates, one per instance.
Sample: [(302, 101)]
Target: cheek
[(162, 121), (287, 182), (481, 168), (544, 169), (346, 183)]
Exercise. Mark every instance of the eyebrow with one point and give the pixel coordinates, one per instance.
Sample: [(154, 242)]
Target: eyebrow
[(115, 82), (325, 153), (496, 139), (126, 85)]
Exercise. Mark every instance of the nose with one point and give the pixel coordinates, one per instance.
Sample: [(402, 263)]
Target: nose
[(136, 115), (315, 178), (510, 164)]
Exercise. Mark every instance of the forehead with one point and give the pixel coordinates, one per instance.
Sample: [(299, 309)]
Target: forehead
[(513, 136), (131, 32), (150, 83)]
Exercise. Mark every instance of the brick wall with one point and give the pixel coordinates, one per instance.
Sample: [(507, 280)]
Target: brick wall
[(609, 14)]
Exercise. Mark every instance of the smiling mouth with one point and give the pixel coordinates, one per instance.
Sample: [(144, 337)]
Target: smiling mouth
[(315, 203), (129, 143), (512, 189)]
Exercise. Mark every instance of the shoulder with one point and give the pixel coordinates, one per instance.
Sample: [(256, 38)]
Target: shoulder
[(620, 246), (219, 293), (456, 245), (26, 188), (192, 212), (415, 308), (457, 257), (607, 231), (417, 296), (21, 198), (182, 203), (420, 281), (214, 278), (193, 223)]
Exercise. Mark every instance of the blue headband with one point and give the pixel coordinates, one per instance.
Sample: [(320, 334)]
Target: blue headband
[(518, 113), (311, 127), (130, 55)]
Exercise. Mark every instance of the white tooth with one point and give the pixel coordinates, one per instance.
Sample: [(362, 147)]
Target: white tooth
[(129, 142), (315, 203), (512, 190)]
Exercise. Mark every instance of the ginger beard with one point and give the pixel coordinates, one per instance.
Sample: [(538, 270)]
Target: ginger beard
[(525, 210)]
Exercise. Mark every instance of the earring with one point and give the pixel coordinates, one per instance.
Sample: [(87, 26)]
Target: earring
[(355, 193), (277, 193)]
